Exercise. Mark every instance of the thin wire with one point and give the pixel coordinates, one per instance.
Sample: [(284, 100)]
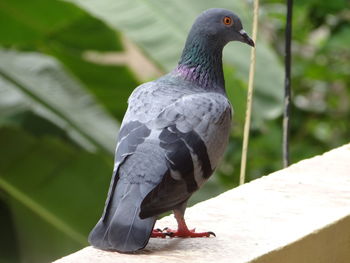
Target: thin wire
[(287, 84), (249, 95)]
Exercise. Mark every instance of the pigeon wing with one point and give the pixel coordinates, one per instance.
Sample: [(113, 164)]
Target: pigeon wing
[(194, 133)]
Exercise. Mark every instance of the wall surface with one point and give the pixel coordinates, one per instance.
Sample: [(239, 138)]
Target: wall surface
[(297, 215)]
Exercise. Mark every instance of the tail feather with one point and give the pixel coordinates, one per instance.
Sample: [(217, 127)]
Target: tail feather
[(123, 229)]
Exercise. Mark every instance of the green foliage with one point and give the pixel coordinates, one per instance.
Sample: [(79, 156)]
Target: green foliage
[(321, 78), (59, 113), (35, 24), (66, 32), (51, 209), (46, 89), (56, 135)]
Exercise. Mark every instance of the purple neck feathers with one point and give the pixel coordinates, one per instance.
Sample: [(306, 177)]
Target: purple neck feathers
[(193, 74)]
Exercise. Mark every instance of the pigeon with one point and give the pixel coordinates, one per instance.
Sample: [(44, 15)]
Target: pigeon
[(172, 137)]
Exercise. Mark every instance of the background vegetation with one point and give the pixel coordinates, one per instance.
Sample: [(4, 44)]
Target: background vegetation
[(67, 68)]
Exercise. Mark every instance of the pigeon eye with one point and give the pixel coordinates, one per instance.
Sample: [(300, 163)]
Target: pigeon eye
[(227, 21)]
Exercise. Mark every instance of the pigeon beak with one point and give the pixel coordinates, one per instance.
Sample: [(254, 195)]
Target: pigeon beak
[(246, 38)]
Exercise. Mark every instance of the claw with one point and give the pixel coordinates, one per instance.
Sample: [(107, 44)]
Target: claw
[(211, 233), (169, 234)]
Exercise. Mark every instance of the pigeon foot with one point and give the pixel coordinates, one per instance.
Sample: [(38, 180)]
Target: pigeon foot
[(185, 233)]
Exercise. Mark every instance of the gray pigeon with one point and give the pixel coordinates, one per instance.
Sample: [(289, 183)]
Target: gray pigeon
[(172, 137)]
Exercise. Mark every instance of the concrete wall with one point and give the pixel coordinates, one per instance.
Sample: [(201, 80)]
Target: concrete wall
[(297, 215)]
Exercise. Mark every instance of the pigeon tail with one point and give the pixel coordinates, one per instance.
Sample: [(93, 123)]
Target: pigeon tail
[(122, 229)]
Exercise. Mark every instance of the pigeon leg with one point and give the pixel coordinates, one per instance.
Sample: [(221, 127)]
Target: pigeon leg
[(182, 230)]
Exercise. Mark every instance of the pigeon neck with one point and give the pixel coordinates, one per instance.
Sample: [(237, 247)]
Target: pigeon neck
[(201, 62)]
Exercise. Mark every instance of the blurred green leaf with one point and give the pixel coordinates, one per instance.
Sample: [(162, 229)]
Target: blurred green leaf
[(65, 31), (237, 94), (38, 82), (54, 210), (34, 24), (86, 33), (153, 26), (111, 85)]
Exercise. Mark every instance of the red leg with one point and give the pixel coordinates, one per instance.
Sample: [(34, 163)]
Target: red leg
[(183, 231)]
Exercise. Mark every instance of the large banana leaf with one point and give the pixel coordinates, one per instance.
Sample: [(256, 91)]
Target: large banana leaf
[(53, 191), (38, 82), (65, 31), (112, 85), (36, 23), (160, 29)]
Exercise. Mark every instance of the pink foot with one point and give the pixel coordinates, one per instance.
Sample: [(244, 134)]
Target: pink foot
[(184, 233)]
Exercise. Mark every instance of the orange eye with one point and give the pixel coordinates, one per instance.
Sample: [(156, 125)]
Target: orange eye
[(227, 20)]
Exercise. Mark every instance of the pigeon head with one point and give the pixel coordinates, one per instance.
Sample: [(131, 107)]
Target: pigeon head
[(219, 26), (201, 59)]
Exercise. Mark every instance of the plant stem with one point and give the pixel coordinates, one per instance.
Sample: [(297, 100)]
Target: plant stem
[(287, 84), (249, 96)]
